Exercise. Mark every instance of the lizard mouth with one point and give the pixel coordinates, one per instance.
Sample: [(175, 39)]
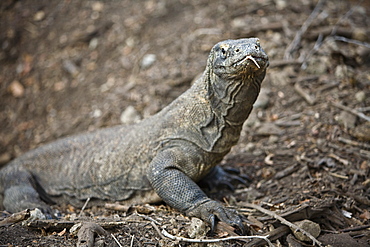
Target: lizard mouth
[(249, 57)]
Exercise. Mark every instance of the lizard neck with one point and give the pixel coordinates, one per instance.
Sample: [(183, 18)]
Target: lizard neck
[(231, 101)]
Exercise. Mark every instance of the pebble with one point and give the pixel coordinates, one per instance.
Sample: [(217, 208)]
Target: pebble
[(360, 96), (97, 6), (130, 116), (39, 16), (197, 228), (70, 67), (148, 60), (267, 129), (318, 65), (97, 113), (344, 73), (252, 120), (16, 89), (263, 99), (310, 227), (362, 132), (273, 139), (347, 119)]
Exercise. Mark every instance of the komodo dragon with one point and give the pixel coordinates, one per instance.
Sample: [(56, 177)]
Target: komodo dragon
[(160, 158)]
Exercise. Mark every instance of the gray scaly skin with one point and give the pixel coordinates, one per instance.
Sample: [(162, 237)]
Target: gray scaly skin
[(160, 158)]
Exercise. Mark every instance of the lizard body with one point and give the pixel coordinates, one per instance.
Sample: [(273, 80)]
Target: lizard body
[(160, 158)]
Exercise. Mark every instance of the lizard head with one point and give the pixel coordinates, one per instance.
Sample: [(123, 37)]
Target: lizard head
[(238, 58)]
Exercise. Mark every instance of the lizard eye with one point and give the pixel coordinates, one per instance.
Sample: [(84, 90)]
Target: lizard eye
[(237, 50), (223, 51)]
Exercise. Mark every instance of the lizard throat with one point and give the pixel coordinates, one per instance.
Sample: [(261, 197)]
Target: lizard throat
[(231, 102)]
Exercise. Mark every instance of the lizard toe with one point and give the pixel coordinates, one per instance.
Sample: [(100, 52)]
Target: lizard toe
[(212, 210)]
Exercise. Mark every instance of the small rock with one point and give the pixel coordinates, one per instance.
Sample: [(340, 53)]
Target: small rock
[(280, 78), (97, 6), (345, 74), (16, 89), (39, 16), (148, 60), (130, 116), (281, 4), (97, 113), (310, 227), (35, 214), (347, 119), (267, 129), (318, 65), (252, 120), (362, 132), (263, 99), (360, 96), (197, 228), (273, 139), (250, 147), (93, 43), (70, 67)]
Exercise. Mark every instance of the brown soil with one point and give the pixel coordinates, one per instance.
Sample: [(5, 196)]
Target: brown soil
[(73, 66)]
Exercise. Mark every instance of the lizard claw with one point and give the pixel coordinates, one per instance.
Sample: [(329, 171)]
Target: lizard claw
[(220, 177), (210, 210)]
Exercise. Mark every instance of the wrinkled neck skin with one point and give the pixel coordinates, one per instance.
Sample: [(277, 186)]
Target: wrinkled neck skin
[(232, 99)]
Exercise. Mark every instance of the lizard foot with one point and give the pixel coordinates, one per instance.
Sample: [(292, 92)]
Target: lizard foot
[(210, 211), (221, 177)]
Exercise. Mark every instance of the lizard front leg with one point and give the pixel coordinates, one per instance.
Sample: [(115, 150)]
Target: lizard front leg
[(170, 174)]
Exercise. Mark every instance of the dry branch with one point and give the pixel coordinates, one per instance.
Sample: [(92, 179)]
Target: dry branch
[(297, 39), (310, 100), (16, 217), (165, 234), (284, 221), (352, 111)]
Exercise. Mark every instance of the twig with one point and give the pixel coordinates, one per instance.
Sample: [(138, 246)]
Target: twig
[(341, 160), (16, 217), (157, 229), (353, 143), (164, 234), (132, 241), (344, 17), (283, 221), (364, 108), (352, 229), (83, 207), (352, 41), (352, 111), (189, 240), (310, 100), (115, 239), (315, 48), (297, 39), (148, 218), (338, 175)]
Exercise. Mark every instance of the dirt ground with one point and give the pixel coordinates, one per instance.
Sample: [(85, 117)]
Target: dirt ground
[(73, 66)]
